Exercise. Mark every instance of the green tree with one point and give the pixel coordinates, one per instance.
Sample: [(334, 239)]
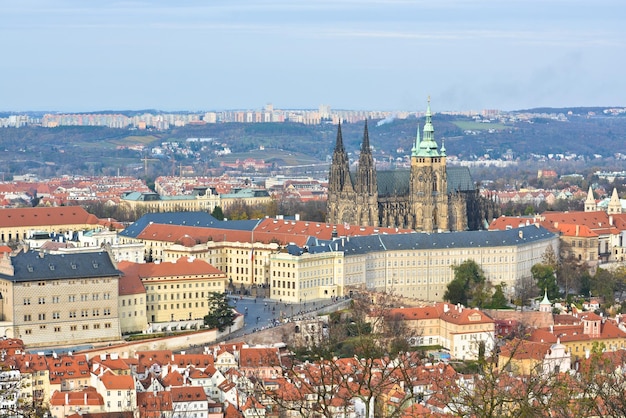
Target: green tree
[(221, 314), (498, 300), (545, 278), (456, 292), (217, 213), (604, 285), (469, 287)]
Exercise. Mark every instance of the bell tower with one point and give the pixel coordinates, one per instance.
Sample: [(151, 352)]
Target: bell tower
[(428, 181)]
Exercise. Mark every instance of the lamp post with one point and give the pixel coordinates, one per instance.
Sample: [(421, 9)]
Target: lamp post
[(1, 307)]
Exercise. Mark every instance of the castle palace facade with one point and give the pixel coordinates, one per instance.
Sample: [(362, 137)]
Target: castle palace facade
[(429, 197)]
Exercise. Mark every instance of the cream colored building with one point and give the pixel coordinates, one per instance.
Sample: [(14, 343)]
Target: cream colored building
[(177, 291), (230, 251), (305, 277), (420, 265), (202, 199), (52, 300), (20, 223), (153, 202), (303, 261), (458, 330), (132, 299)]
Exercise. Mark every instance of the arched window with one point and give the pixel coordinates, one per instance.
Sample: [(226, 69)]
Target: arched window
[(434, 182)]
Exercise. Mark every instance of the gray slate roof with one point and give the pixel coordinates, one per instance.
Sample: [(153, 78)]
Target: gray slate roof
[(396, 182), (429, 241), (200, 219), (34, 266)]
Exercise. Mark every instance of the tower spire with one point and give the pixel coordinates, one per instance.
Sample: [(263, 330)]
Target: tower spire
[(339, 144), (365, 146), (416, 145), (615, 205), (590, 202), (427, 147)]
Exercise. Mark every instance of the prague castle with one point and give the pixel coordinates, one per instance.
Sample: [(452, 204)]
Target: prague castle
[(429, 197)]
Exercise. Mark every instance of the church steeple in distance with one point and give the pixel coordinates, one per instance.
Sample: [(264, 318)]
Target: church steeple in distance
[(416, 145), (339, 143), (366, 172), (339, 176)]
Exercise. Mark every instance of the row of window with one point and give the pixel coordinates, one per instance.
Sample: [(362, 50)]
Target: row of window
[(84, 297), (164, 306), (84, 327), (201, 284), (84, 313)]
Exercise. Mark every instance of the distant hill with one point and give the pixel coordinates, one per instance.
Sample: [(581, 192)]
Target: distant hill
[(92, 149)]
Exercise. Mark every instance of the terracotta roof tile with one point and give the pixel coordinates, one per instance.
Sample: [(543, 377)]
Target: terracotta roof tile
[(44, 216)]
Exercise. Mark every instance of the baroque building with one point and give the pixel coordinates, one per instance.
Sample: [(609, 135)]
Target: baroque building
[(429, 197)]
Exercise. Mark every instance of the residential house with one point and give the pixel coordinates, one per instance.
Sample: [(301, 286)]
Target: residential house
[(461, 331), (155, 404), (189, 401), (86, 400), (534, 358), (585, 332)]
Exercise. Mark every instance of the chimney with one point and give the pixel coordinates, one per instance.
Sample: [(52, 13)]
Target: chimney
[(445, 307), (577, 230)]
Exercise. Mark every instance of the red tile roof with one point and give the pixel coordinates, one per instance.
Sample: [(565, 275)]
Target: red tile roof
[(522, 349), (445, 311), (44, 216), (151, 404), (268, 230), (67, 368), (259, 357), (115, 382), (87, 396), (130, 283), (184, 266), (188, 394)]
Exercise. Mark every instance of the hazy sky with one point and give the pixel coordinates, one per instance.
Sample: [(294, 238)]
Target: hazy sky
[(72, 55)]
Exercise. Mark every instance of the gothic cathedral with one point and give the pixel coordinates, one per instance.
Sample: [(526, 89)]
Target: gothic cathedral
[(429, 197)]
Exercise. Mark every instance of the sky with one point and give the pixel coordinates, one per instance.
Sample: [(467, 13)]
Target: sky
[(201, 55)]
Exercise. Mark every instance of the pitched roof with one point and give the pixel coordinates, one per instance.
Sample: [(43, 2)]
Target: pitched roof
[(259, 357), (130, 282), (114, 382), (415, 241), (199, 219), (523, 349), (396, 182), (150, 404), (44, 216), (33, 266), (252, 403), (67, 368), (87, 396), (187, 266), (446, 311), (188, 394)]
